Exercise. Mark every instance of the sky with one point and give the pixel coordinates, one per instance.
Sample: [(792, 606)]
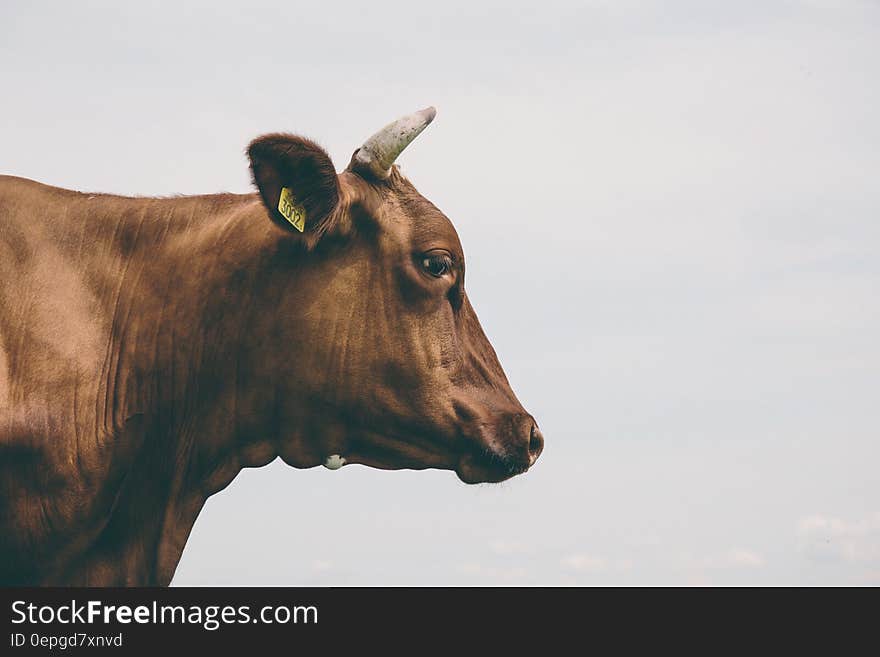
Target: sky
[(671, 217)]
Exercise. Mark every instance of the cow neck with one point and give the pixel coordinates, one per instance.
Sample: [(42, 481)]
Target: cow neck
[(182, 333)]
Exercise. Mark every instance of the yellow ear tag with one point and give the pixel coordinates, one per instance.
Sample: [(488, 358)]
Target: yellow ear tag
[(291, 210)]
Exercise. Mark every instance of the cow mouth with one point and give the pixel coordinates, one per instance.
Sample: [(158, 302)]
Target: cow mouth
[(474, 466), (487, 467)]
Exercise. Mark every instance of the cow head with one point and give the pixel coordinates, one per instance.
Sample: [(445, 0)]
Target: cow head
[(377, 355)]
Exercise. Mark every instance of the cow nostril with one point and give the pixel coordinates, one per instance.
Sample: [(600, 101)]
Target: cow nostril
[(536, 443)]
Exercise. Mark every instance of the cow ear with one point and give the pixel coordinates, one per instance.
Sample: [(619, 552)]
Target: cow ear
[(297, 181)]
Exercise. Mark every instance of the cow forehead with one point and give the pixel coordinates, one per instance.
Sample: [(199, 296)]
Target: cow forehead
[(428, 224), (399, 206)]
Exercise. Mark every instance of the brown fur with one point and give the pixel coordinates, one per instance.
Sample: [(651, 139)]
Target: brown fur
[(151, 348)]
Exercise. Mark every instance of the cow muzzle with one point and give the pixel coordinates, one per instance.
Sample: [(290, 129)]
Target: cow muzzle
[(502, 451)]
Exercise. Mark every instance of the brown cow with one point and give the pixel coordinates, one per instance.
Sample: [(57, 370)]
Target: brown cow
[(151, 348)]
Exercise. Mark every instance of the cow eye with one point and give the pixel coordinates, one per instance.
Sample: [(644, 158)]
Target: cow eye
[(437, 264)]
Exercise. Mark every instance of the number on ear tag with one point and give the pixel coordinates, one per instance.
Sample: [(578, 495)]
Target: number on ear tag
[(291, 210)]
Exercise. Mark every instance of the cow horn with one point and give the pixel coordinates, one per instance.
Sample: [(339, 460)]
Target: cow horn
[(379, 151)]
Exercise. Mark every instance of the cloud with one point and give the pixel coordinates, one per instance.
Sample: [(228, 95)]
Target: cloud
[(735, 557), (505, 548), (829, 538), (585, 563), (745, 558), (588, 563), (493, 573)]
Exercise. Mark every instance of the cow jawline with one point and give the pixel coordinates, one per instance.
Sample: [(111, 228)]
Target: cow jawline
[(386, 452)]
